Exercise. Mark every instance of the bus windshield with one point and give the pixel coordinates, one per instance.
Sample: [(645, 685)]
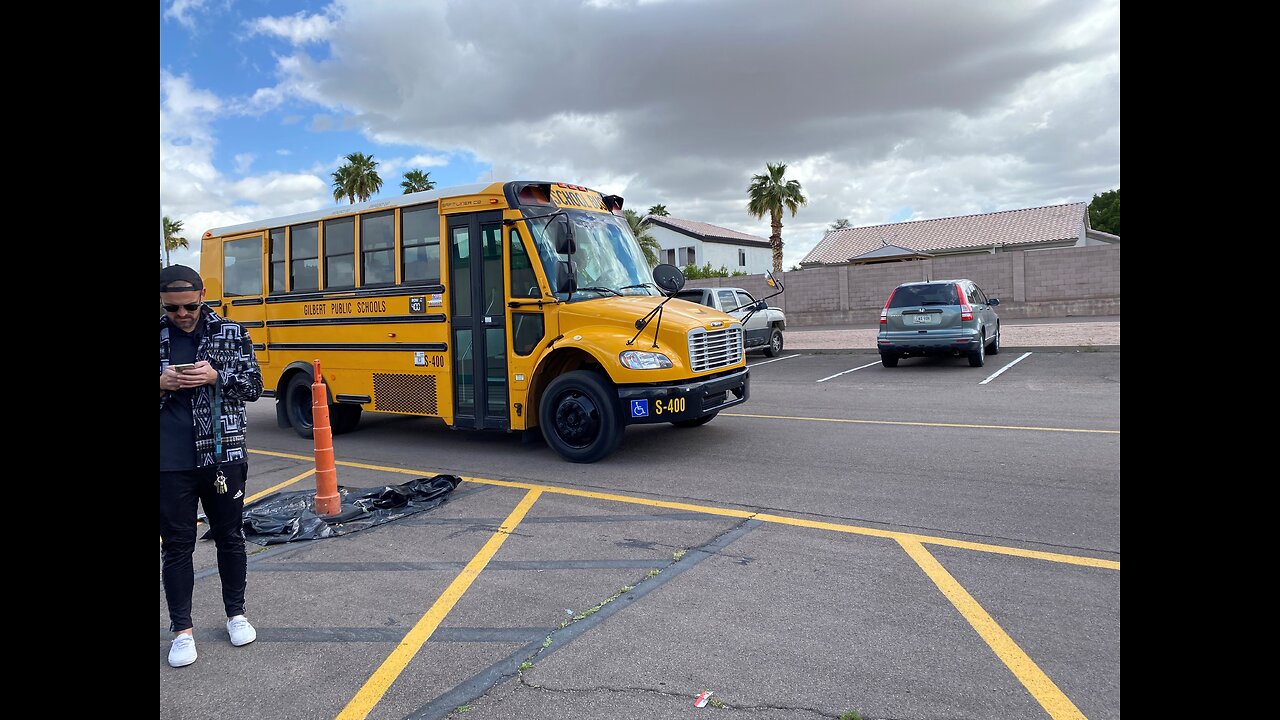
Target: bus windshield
[(608, 258)]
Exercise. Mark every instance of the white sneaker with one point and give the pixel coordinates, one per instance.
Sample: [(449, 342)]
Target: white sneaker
[(241, 632), (183, 651)]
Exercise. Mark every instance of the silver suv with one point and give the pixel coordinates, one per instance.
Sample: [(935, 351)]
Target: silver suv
[(939, 317)]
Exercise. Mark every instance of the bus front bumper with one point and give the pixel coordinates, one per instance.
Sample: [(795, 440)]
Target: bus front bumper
[(639, 404)]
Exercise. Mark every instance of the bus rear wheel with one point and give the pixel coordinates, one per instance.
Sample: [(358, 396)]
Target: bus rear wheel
[(297, 403), (579, 416)]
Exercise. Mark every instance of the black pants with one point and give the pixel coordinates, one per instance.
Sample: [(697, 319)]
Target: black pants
[(179, 492)]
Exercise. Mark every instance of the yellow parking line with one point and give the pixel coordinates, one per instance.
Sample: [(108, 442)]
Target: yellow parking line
[(1052, 699), (765, 517), (378, 684), (274, 488), (927, 424)]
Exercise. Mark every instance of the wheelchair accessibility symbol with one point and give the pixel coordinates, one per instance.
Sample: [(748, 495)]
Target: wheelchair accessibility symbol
[(639, 408)]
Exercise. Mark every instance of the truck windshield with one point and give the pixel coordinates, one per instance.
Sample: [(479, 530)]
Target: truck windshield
[(607, 256)]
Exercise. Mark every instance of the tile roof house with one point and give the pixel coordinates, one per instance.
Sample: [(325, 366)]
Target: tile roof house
[(686, 242), (1053, 226)]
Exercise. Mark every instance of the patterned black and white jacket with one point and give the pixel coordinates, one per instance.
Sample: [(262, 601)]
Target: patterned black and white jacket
[(229, 350)]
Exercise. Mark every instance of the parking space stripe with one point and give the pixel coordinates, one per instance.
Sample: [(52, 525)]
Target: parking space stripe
[(378, 684), (1050, 697), (766, 362), (849, 371), (780, 519), (996, 374), (284, 484), (926, 424)]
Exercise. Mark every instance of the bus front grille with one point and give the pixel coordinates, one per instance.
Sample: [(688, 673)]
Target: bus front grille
[(405, 393), (711, 349)]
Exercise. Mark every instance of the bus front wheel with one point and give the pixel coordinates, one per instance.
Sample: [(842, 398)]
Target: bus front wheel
[(579, 416)]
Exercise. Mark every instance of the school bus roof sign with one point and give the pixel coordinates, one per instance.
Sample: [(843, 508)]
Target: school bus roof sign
[(578, 198)]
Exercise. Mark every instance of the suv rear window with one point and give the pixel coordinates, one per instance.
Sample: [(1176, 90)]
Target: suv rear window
[(922, 295)]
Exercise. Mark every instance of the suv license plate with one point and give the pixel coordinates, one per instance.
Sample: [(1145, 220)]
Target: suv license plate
[(924, 319)]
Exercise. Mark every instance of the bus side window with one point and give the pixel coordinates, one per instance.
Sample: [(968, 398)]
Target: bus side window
[(529, 329), (304, 257), (377, 249), (524, 284), (276, 272), (340, 253), (242, 267), (420, 242)]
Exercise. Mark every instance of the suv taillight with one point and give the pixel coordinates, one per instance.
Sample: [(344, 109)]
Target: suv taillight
[(884, 314), (966, 312)]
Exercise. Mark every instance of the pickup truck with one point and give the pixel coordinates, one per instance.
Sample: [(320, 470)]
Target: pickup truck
[(764, 324)]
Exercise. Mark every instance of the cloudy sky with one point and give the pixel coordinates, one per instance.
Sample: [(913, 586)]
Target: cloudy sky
[(883, 110)]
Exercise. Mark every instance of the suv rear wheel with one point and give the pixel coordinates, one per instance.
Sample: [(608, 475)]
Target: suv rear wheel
[(978, 357), (888, 360)]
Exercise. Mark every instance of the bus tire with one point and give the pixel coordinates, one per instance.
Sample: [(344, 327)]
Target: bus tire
[(297, 404), (579, 416), (344, 418)]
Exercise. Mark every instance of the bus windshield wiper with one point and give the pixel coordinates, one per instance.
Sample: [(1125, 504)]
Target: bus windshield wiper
[(599, 289), (637, 285)]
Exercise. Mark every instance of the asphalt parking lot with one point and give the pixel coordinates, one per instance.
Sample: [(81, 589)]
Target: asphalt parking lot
[(931, 540)]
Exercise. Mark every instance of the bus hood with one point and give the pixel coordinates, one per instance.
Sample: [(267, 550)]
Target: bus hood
[(678, 316)]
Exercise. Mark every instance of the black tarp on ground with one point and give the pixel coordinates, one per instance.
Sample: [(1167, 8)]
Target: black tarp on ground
[(286, 517)]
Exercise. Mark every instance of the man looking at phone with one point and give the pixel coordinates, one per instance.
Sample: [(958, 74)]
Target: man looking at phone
[(208, 371)]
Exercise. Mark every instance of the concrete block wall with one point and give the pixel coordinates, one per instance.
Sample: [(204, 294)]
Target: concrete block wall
[(1086, 273), (1078, 281)]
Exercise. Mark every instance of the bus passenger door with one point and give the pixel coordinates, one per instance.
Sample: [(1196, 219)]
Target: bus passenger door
[(478, 309)]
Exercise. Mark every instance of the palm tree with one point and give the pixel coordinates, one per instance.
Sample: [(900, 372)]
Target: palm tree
[(771, 193), (343, 186), (172, 237), (417, 181), (659, 210), (648, 243), (357, 179)]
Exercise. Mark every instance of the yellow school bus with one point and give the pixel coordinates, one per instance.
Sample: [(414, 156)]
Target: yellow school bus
[(505, 306)]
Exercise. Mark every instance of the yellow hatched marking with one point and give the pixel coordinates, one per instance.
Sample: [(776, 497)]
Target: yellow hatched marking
[(378, 684), (1052, 699)]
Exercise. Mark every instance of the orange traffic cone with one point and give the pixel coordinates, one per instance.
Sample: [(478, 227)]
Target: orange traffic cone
[(328, 502)]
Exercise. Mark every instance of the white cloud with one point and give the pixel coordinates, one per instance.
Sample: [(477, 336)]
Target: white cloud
[(300, 29), (191, 187), (184, 11)]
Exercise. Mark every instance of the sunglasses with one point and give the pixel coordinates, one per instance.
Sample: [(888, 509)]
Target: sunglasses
[(191, 307)]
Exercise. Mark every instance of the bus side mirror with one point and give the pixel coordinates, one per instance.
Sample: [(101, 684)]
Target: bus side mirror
[(561, 231), (566, 276), (669, 278)]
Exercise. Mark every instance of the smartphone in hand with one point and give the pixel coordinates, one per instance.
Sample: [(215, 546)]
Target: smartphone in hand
[(182, 367)]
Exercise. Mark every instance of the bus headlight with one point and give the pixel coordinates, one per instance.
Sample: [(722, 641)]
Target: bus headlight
[(641, 360)]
